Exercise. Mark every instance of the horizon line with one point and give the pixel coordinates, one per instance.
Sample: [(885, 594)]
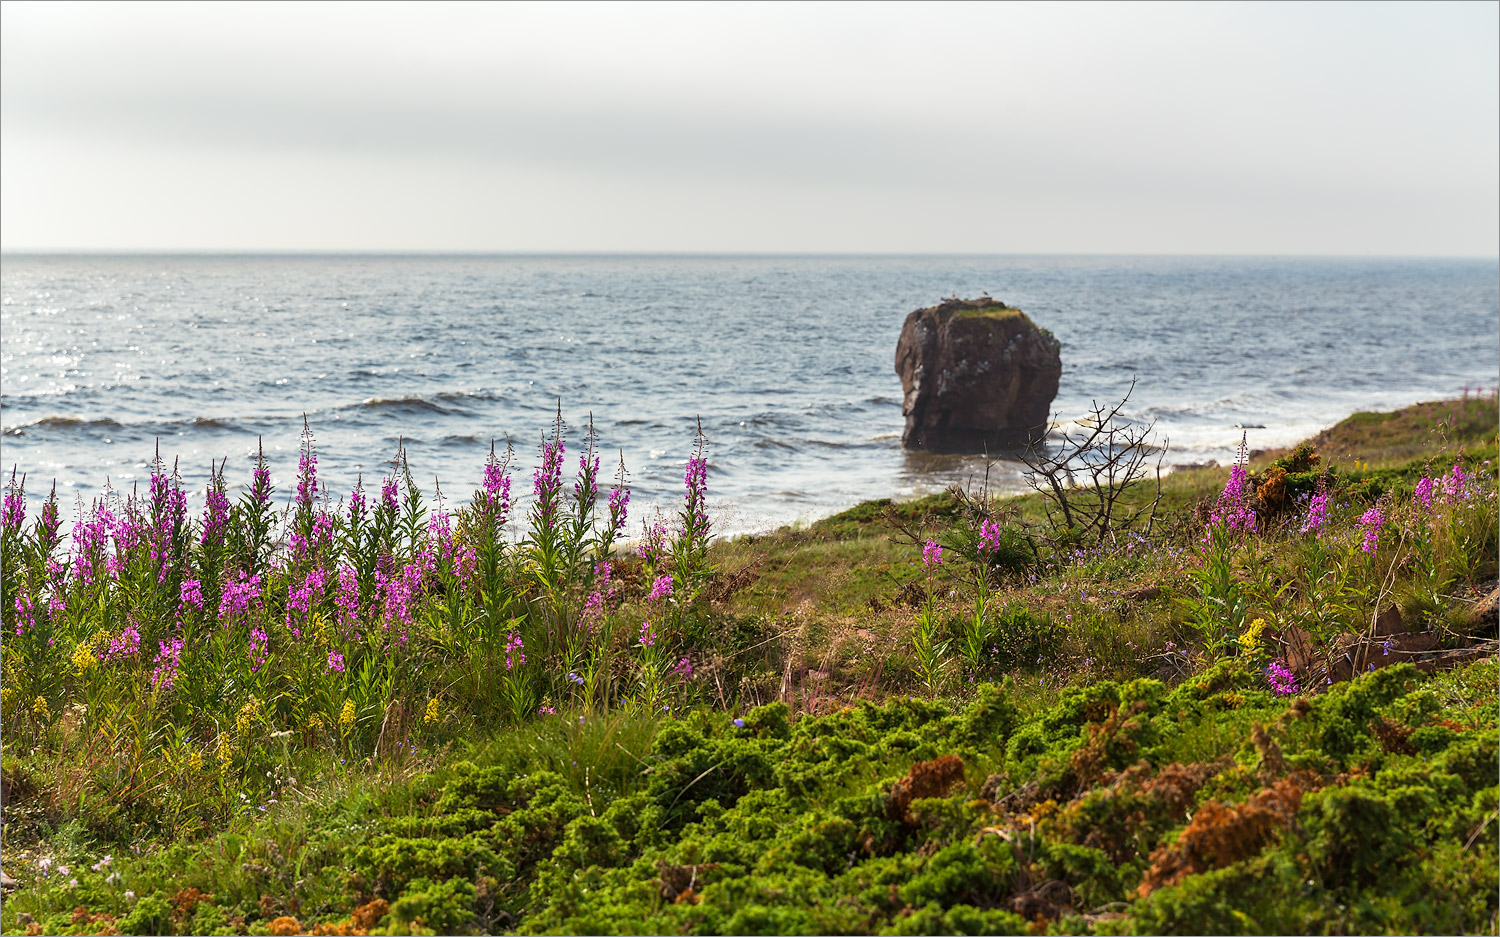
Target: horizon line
[(384, 252)]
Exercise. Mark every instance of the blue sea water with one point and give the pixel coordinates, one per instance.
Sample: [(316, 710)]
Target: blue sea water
[(787, 361)]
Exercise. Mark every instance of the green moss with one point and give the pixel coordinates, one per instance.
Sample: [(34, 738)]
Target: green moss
[(996, 311), (800, 826)]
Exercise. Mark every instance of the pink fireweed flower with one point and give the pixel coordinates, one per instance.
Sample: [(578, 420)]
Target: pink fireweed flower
[(322, 531), (25, 614), (546, 481), (1422, 496), (300, 601), (168, 662), (15, 503), (237, 597), (1372, 520), (495, 479), (127, 536), (260, 648), (1456, 484), (495, 503), (347, 596), (335, 662), (515, 651), (1281, 680), (439, 527), (357, 505), (465, 561), (684, 669), (91, 543), (1233, 510), (695, 500), (932, 555), (307, 474), (399, 593), (619, 505), (192, 594), (695, 477), (604, 579), (388, 500), (648, 635), (1317, 509), (989, 536), (260, 483), (128, 644), (653, 545), (215, 517), (593, 610), (588, 470), (604, 589), (48, 520), (660, 589)]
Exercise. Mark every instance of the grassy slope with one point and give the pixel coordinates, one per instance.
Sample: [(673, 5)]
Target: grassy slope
[(567, 827), (839, 594)]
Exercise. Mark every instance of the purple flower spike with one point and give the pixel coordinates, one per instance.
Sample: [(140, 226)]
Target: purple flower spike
[(1233, 510), (1372, 520), (932, 554), (661, 589), (1283, 682), (1317, 509), (15, 503)]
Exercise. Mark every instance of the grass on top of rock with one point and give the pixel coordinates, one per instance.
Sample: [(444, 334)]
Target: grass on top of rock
[(995, 310)]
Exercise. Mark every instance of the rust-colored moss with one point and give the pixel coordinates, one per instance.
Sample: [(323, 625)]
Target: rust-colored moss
[(925, 779), (1222, 835)]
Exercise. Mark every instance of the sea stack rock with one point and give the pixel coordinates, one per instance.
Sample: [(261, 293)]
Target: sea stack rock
[(977, 375)]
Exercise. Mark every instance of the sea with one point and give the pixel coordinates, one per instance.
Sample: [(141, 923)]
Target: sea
[(784, 362)]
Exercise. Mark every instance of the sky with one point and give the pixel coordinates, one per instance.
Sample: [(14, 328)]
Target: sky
[(879, 127)]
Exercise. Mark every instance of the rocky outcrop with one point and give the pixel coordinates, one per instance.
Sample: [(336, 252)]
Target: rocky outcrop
[(978, 376)]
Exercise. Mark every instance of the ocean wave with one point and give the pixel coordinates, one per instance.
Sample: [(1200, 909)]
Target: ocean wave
[(81, 424), (58, 421), (774, 442), (443, 403)]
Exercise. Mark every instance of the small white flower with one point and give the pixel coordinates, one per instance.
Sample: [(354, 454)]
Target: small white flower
[(129, 896)]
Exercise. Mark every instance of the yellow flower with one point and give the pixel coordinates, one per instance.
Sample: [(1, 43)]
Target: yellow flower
[(346, 718), (39, 707), (432, 712), (1250, 640), (315, 721), (224, 752), (7, 700), (249, 715), (83, 658), (195, 760)]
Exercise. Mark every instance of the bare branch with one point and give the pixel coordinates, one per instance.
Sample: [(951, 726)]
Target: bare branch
[(1109, 456)]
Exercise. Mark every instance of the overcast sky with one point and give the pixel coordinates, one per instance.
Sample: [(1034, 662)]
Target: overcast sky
[(1066, 128)]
